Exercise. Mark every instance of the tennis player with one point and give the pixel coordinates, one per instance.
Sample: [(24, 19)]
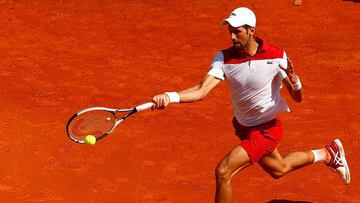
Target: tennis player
[(255, 72)]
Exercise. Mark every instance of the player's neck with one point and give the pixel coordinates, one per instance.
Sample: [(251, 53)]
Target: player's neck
[(252, 47)]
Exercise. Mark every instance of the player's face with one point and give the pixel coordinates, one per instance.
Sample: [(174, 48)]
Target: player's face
[(240, 37)]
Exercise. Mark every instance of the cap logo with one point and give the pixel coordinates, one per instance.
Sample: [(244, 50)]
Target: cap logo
[(233, 14)]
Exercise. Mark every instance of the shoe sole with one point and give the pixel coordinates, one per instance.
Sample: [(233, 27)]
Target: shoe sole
[(343, 159)]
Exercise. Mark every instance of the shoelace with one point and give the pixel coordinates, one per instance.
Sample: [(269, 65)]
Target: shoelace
[(337, 160)]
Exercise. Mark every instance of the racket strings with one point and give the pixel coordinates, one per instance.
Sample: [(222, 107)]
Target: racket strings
[(96, 123)]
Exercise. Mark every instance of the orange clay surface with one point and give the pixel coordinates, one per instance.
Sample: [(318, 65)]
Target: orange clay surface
[(58, 57)]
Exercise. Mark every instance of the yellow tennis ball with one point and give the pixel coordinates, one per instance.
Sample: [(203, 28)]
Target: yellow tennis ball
[(90, 139)]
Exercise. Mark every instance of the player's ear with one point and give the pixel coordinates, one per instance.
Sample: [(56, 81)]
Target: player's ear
[(252, 30)]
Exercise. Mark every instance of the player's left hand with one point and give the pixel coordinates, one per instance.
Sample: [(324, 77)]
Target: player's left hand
[(290, 71)]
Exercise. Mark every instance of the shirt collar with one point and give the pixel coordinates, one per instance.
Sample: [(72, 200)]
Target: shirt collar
[(263, 46)]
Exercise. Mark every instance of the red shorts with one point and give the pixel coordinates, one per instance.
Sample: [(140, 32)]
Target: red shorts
[(260, 140)]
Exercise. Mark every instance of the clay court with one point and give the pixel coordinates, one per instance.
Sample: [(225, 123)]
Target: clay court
[(58, 57)]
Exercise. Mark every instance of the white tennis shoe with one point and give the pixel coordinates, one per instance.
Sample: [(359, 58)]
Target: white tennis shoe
[(338, 161)]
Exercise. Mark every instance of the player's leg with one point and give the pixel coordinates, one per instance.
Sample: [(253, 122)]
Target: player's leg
[(277, 166), (234, 161), (333, 155)]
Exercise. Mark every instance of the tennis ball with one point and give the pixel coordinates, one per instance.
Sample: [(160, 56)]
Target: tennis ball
[(90, 139)]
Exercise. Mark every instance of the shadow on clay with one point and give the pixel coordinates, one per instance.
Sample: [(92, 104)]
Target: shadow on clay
[(286, 201)]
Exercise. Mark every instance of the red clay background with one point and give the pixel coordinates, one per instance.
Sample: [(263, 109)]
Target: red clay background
[(58, 57)]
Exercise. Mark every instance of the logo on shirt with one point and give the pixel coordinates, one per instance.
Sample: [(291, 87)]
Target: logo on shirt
[(269, 62)]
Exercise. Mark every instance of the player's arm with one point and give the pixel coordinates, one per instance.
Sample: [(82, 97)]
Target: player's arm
[(199, 91), (297, 95), (193, 94), (292, 82)]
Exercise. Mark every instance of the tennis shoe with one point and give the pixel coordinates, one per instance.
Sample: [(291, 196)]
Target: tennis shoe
[(338, 161)]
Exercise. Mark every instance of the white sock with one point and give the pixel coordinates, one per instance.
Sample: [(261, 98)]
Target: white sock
[(319, 155)]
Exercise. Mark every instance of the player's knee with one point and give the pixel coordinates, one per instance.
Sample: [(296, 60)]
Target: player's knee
[(279, 171), (223, 173), (277, 174)]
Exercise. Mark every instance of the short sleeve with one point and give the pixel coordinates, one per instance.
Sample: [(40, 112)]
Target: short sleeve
[(284, 63), (217, 65)]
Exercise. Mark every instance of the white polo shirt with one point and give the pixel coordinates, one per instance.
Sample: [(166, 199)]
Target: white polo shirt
[(254, 81)]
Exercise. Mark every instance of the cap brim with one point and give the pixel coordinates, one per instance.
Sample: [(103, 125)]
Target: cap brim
[(224, 22), (233, 22)]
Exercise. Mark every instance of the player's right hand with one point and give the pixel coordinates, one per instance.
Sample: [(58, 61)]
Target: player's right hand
[(161, 101)]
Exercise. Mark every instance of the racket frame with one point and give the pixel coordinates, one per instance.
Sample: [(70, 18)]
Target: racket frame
[(112, 111)]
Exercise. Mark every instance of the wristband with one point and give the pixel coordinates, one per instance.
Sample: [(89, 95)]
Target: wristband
[(174, 97), (297, 85)]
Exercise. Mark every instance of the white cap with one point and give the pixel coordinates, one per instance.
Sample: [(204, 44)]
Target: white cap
[(241, 16)]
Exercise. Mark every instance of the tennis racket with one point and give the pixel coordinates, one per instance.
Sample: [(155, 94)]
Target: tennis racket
[(98, 121)]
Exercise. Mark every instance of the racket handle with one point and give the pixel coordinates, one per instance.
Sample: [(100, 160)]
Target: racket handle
[(145, 106)]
